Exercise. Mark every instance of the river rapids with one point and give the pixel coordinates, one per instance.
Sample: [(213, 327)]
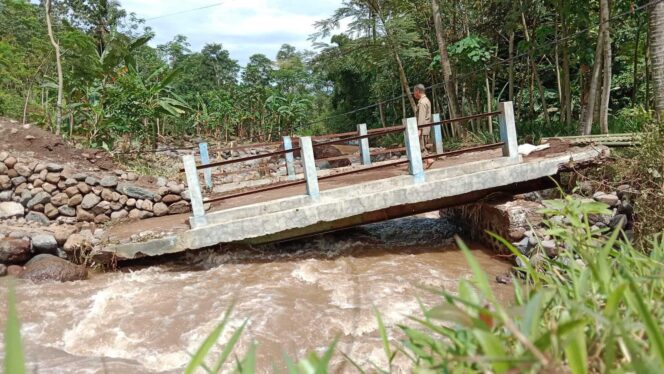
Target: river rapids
[(297, 297)]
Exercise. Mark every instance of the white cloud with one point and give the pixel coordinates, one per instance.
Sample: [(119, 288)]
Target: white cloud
[(244, 27)]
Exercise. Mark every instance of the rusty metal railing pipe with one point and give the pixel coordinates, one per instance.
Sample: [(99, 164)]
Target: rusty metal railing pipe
[(356, 171), (382, 132)]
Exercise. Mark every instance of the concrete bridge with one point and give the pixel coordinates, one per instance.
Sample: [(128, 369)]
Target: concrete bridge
[(371, 193)]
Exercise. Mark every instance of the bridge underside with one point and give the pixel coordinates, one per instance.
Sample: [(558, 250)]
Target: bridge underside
[(378, 200)]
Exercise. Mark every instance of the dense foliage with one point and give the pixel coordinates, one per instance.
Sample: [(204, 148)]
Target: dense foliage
[(548, 56)]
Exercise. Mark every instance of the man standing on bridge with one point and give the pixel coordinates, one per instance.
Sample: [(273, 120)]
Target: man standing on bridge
[(423, 117)]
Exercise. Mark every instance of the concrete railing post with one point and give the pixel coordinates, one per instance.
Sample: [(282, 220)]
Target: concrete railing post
[(205, 159), (412, 140), (364, 144), (194, 189), (290, 160), (508, 130), (309, 164), (437, 134)]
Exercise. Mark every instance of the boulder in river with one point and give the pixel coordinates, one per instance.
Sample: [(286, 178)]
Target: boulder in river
[(47, 267), (14, 250), (44, 243)]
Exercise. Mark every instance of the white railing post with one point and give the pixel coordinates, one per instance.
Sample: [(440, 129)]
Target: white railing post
[(205, 159), (309, 164), (364, 144), (290, 160), (437, 134), (508, 130), (194, 187), (412, 140)]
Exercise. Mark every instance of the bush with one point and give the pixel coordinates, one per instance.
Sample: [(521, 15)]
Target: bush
[(597, 307)]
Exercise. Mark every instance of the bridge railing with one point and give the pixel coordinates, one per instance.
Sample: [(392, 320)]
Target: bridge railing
[(415, 159)]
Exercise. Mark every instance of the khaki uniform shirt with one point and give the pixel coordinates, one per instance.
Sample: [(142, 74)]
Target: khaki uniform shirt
[(424, 117), (423, 111)]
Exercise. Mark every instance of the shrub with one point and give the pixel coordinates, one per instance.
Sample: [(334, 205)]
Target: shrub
[(596, 307)]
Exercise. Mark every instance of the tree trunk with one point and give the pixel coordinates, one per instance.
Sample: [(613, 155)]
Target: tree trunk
[(71, 125), (403, 104), (489, 101), (511, 69), (589, 111), (376, 8), (58, 64), (25, 104), (382, 114), (635, 62), (648, 75), (606, 46), (531, 53), (448, 75), (559, 80), (531, 90), (657, 56), (404, 82), (567, 84)]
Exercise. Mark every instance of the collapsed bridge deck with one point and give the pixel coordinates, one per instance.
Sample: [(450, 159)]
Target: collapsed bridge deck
[(349, 200)]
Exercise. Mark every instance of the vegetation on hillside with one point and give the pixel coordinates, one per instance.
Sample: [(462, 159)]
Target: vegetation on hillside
[(566, 64)]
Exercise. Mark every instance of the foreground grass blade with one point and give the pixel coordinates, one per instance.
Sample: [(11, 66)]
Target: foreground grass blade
[(492, 347), (324, 362), (229, 348), (248, 364), (576, 353), (383, 337), (652, 328), (199, 357), (479, 274), (14, 359)]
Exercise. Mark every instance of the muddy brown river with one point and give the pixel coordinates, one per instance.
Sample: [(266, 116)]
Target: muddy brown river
[(297, 296)]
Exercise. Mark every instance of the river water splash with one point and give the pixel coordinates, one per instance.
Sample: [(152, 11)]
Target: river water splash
[(297, 296)]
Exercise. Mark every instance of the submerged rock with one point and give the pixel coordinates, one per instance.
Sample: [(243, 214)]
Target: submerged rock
[(47, 267)]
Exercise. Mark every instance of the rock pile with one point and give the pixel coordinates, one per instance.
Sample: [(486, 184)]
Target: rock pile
[(47, 192), (519, 220), (49, 212), (21, 242)]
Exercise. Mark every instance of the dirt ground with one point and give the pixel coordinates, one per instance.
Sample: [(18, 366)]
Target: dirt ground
[(32, 141)]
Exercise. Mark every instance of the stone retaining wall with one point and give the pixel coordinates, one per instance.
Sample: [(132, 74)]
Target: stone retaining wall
[(49, 192), (518, 219)]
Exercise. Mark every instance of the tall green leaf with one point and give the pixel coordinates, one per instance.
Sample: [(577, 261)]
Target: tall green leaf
[(14, 359)]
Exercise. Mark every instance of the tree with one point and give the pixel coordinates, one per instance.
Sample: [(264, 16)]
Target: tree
[(656, 25), (258, 71), (607, 66), (448, 76), (58, 62), (217, 63), (97, 17)]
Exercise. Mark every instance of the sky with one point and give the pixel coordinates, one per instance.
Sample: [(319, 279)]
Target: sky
[(243, 27)]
